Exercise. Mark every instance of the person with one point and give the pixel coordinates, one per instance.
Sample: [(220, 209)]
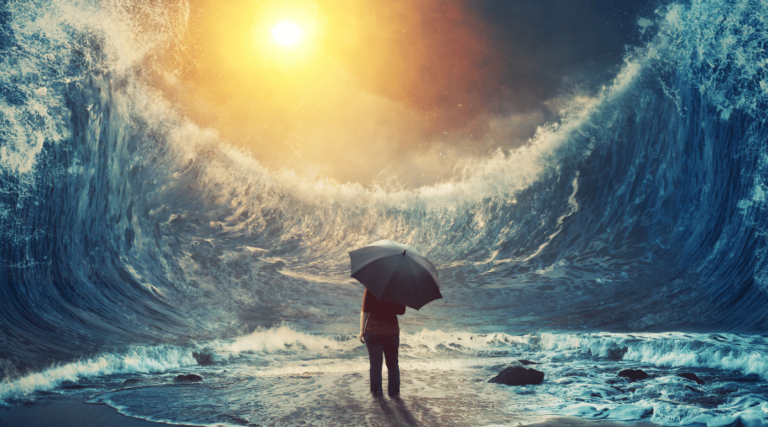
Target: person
[(380, 332)]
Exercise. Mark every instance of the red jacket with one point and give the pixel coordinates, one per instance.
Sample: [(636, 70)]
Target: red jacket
[(383, 317)]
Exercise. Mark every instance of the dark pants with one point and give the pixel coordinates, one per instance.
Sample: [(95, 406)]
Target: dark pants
[(388, 345)]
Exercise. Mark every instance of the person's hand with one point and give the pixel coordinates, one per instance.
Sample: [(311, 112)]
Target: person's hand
[(360, 337)]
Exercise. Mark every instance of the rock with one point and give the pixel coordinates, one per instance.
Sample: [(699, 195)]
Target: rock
[(131, 381), (203, 358), (527, 362), (189, 378), (692, 377), (633, 374), (517, 375)]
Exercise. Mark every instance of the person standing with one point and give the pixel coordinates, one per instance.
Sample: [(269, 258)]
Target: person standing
[(380, 332)]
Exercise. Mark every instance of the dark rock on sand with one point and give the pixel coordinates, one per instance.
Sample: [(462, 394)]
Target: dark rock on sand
[(527, 362), (203, 358), (517, 375), (692, 377), (633, 374), (131, 381), (189, 378)]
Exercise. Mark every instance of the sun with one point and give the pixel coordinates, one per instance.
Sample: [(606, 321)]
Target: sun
[(286, 33)]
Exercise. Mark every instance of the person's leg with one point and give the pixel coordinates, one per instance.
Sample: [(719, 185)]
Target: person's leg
[(390, 347), (375, 348)]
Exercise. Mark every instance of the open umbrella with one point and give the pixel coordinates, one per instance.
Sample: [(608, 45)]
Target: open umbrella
[(397, 273)]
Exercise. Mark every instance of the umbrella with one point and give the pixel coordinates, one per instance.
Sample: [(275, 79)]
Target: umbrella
[(397, 273)]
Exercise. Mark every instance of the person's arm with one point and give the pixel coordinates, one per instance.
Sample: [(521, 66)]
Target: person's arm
[(363, 321)]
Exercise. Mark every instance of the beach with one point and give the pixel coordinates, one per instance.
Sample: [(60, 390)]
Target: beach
[(67, 412), (323, 380)]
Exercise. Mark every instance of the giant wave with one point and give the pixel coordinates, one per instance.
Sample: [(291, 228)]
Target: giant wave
[(125, 224)]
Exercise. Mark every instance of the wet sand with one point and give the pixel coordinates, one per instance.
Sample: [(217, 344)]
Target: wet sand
[(67, 413), (76, 413)]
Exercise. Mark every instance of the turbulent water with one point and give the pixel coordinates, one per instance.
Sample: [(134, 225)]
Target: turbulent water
[(131, 238)]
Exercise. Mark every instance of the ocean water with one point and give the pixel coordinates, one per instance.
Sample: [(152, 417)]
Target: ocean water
[(630, 234)]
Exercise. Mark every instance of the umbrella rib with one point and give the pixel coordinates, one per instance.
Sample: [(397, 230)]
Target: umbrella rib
[(415, 275), (374, 259), (426, 264)]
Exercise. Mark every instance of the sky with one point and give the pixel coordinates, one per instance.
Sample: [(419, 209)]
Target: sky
[(404, 92)]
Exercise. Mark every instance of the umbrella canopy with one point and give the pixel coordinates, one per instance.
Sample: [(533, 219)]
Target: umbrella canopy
[(397, 273)]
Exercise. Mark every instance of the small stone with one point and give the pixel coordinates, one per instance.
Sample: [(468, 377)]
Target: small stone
[(692, 377), (189, 378), (633, 374), (517, 375)]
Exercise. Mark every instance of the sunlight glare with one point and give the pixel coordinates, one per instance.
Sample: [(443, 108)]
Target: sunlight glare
[(286, 33)]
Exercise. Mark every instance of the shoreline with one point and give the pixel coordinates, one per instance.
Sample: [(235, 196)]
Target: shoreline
[(68, 412), (73, 412)]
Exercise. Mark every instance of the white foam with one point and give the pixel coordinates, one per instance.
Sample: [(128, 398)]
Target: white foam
[(281, 339), (644, 23), (137, 359), (733, 352)]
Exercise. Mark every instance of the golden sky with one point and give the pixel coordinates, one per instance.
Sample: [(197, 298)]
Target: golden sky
[(372, 90)]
